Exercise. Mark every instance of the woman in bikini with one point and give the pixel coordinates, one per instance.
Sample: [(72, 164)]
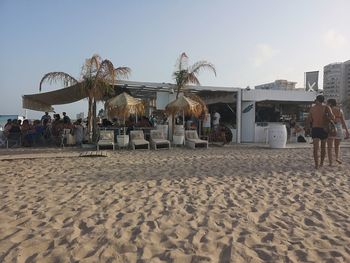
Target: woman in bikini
[(339, 125)]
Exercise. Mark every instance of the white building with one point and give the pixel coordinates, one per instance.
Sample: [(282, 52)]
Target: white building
[(336, 81), (332, 81), (279, 84), (346, 78)]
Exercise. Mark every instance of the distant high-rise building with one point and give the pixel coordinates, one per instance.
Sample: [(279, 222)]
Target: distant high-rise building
[(336, 83), (332, 81), (346, 79), (279, 84)]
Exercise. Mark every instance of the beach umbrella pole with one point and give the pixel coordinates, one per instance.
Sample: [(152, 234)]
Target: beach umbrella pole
[(183, 119)]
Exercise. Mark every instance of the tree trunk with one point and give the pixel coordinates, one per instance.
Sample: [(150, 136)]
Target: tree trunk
[(89, 127), (94, 124)]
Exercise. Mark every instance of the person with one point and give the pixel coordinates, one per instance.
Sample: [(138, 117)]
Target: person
[(216, 120), (78, 132), (317, 120), (46, 117), (66, 119), (27, 133), (7, 127), (206, 124), (339, 126)]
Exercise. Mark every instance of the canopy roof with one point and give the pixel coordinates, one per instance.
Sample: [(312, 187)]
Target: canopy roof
[(44, 101)]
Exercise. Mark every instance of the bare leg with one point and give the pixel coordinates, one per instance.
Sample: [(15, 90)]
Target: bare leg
[(329, 151), (316, 143), (336, 150), (323, 151)]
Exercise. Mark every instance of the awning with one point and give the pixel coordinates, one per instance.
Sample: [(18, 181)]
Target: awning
[(44, 101)]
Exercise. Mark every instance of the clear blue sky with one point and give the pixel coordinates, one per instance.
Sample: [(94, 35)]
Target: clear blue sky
[(250, 42)]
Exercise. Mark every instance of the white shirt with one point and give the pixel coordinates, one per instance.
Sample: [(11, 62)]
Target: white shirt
[(217, 117), (206, 121)]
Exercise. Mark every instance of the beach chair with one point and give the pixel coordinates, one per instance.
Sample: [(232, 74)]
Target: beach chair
[(106, 138), (137, 140), (158, 140), (192, 140)]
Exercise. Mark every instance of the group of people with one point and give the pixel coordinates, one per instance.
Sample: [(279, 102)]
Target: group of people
[(211, 121), (326, 124), (44, 131)]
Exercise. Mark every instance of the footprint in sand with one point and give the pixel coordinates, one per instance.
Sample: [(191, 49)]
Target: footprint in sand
[(263, 217), (268, 238)]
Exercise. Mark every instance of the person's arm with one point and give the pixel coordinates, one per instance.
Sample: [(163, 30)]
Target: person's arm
[(329, 113), (344, 125)]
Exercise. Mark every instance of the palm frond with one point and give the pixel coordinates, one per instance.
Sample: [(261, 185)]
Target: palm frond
[(91, 66), (53, 77), (202, 65), (122, 72), (192, 78), (106, 71), (182, 62)]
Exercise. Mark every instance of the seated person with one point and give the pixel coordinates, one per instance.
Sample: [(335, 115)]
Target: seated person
[(14, 133), (15, 128), (106, 123), (27, 133), (7, 127)]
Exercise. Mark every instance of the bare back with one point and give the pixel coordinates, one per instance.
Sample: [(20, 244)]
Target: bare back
[(317, 115)]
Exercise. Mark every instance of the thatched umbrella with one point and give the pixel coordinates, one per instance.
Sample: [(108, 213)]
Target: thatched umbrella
[(185, 105), (123, 105)]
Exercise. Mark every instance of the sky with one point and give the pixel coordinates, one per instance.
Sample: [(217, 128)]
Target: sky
[(250, 42)]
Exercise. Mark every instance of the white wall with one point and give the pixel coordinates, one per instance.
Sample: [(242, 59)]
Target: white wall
[(248, 121), (163, 99), (278, 95)]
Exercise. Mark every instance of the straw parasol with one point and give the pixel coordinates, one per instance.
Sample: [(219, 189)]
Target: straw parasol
[(123, 105), (186, 105)]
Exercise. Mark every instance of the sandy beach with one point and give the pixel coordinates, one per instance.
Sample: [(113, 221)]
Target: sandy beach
[(229, 204)]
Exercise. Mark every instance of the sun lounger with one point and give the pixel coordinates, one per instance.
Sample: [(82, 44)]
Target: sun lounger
[(158, 140), (137, 140), (106, 139), (192, 140)]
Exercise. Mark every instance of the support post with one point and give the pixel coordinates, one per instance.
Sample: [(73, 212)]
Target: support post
[(238, 115)]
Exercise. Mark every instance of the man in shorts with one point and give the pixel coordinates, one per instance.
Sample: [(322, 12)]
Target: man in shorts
[(318, 120)]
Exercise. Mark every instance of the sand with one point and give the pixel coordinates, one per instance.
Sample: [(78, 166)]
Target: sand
[(229, 204)]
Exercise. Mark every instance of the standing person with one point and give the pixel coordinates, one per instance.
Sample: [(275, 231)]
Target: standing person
[(216, 120), (339, 126), (45, 117), (66, 119), (206, 124), (79, 132), (318, 121)]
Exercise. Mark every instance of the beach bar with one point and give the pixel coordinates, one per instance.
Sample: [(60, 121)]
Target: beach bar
[(257, 109)]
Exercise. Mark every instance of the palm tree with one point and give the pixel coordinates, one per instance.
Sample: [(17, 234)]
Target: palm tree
[(97, 81), (185, 74)]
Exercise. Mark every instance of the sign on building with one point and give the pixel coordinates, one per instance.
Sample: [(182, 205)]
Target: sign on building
[(311, 81)]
